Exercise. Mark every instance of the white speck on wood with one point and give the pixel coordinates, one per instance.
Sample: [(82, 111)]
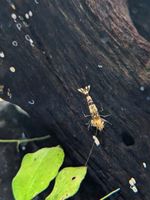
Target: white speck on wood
[(36, 1), (12, 69), (2, 55), (132, 181), (32, 102), (96, 140), (144, 165), (134, 189), (19, 26), (13, 16), (30, 13), (13, 6), (27, 16), (28, 38), (31, 42), (100, 66), (15, 43), (142, 88)]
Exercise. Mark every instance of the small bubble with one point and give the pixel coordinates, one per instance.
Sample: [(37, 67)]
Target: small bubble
[(19, 26), (36, 1), (15, 43), (132, 181), (31, 42), (31, 102), (144, 165), (12, 69), (100, 66), (23, 136), (142, 88), (23, 148), (2, 55), (27, 16), (13, 16), (27, 37), (134, 189), (30, 13), (13, 6), (96, 141)]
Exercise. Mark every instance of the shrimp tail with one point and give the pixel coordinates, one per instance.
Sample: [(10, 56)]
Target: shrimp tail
[(85, 90)]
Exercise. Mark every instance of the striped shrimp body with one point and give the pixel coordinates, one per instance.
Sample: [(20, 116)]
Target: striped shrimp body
[(96, 120)]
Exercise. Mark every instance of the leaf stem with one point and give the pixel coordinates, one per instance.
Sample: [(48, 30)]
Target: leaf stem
[(19, 141), (111, 193)]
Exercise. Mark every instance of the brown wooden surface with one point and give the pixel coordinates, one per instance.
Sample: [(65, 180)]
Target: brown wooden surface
[(79, 43)]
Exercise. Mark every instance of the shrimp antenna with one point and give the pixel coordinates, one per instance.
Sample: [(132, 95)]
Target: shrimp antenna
[(91, 150)]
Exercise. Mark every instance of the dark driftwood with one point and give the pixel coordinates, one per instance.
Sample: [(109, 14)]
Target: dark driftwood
[(76, 43)]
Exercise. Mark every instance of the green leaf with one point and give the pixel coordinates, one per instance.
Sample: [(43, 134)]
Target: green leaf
[(36, 172), (67, 183)]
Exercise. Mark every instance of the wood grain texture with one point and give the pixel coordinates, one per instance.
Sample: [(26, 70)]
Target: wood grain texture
[(79, 43)]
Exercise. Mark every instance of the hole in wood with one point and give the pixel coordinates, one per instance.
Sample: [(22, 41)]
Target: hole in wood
[(140, 15), (127, 139)]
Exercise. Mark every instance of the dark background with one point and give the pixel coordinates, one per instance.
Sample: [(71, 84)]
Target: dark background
[(102, 43)]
